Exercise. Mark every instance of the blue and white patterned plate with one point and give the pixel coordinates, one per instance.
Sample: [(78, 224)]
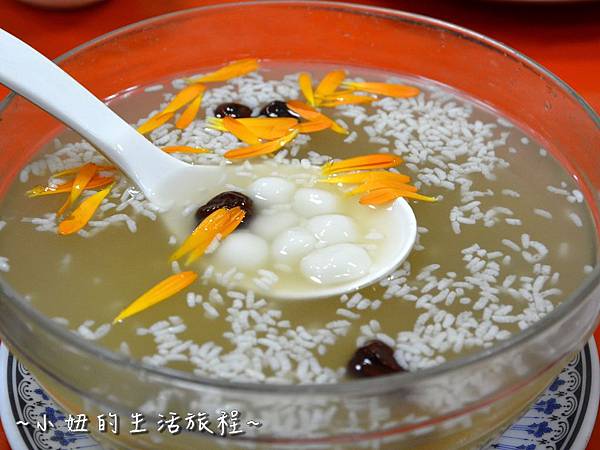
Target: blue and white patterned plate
[(561, 419)]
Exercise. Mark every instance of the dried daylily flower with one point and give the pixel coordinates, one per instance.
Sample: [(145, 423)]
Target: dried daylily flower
[(82, 179), (232, 70), (183, 149), (83, 213), (163, 290), (39, 191), (373, 161), (305, 82), (190, 113), (380, 196), (240, 131), (387, 89), (261, 149), (329, 84), (307, 112)]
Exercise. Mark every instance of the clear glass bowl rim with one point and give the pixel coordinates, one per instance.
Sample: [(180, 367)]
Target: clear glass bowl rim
[(377, 384)]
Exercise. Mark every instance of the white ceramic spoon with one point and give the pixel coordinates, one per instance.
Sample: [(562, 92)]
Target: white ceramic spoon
[(164, 180), (32, 75)]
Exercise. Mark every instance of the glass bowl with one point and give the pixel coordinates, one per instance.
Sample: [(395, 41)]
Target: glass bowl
[(459, 404)]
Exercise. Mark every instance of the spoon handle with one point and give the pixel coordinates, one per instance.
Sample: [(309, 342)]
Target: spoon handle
[(35, 77)]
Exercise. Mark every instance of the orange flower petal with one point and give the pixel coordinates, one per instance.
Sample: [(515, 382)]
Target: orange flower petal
[(233, 219), (83, 213), (337, 94), (82, 179), (313, 125), (184, 97), (381, 196), (373, 161), (307, 112), (99, 181), (183, 149), (338, 128), (216, 123), (330, 83), (163, 290), (261, 149), (232, 70), (305, 82), (375, 184), (303, 110), (190, 113), (199, 250), (269, 134), (268, 122), (208, 227), (347, 99), (240, 131), (74, 170), (360, 177), (154, 122), (39, 191), (268, 128), (236, 215), (388, 89)]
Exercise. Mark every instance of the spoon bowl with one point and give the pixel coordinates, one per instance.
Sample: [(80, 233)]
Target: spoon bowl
[(401, 232), (397, 223)]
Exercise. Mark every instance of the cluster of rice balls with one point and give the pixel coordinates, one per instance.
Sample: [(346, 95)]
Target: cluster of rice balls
[(297, 228)]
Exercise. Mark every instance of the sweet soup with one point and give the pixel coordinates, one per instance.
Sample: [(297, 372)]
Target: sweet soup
[(504, 234)]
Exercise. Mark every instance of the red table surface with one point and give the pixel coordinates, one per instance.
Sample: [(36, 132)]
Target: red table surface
[(564, 38)]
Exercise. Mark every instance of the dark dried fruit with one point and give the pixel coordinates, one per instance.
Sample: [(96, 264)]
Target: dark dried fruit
[(373, 360), (229, 199), (278, 109), (235, 110)]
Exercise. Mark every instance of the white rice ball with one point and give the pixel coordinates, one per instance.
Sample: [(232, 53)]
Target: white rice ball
[(268, 226), (336, 264), (291, 245), (243, 250), (333, 228), (270, 190), (310, 202)]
